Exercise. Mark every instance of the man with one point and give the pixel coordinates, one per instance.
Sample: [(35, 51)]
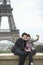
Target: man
[(21, 50)]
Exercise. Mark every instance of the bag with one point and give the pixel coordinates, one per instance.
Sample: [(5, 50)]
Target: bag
[(14, 49)]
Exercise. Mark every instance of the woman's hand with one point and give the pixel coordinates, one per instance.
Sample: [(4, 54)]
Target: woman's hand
[(37, 37), (27, 50)]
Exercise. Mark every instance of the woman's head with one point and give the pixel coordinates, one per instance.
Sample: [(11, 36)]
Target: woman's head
[(28, 36)]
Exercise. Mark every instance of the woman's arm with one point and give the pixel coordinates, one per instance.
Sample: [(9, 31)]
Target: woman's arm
[(35, 40)]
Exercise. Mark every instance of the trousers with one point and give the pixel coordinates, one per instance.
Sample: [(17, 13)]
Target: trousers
[(22, 54)]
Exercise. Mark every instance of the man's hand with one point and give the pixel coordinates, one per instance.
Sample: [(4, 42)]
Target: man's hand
[(37, 37)]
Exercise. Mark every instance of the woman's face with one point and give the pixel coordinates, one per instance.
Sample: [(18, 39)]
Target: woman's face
[(28, 38)]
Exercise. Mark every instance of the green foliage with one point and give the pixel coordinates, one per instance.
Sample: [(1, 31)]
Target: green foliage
[(8, 50), (4, 51), (39, 48)]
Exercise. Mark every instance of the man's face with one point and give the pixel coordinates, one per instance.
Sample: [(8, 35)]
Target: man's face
[(24, 37)]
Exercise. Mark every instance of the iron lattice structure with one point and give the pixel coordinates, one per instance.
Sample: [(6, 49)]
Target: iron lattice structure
[(6, 10)]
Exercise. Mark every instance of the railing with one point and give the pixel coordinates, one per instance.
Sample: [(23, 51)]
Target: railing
[(8, 30), (4, 30)]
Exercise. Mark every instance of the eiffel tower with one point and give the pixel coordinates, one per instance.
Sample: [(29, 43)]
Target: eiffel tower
[(13, 33)]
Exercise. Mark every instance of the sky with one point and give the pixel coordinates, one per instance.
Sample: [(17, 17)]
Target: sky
[(28, 17)]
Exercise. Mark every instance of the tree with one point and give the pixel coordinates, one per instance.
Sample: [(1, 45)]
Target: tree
[(39, 48)]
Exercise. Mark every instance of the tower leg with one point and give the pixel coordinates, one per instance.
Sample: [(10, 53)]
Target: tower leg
[(11, 23), (0, 21)]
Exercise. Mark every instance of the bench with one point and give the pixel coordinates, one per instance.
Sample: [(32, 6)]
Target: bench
[(11, 59)]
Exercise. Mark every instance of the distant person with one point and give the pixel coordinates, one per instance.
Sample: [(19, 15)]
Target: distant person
[(20, 49)]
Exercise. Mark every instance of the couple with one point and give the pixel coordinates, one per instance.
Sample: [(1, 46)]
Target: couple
[(24, 47)]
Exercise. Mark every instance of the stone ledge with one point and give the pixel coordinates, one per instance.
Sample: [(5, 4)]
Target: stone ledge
[(38, 59), (38, 56), (11, 59), (8, 56), (12, 56)]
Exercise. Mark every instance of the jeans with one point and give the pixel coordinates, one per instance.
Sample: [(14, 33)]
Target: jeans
[(22, 54)]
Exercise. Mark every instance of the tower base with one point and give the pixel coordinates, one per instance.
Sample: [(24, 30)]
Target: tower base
[(10, 36)]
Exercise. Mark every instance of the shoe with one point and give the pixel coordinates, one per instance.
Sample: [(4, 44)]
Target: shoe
[(31, 63)]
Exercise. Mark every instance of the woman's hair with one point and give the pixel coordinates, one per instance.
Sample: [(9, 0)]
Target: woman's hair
[(28, 35)]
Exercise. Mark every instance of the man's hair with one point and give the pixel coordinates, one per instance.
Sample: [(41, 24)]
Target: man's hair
[(24, 34), (28, 35)]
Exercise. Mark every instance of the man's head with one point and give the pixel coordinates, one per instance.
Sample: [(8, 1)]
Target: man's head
[(28, 36), (24, 36)]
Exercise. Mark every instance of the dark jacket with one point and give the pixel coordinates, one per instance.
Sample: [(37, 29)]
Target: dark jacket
[(20, 44)]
